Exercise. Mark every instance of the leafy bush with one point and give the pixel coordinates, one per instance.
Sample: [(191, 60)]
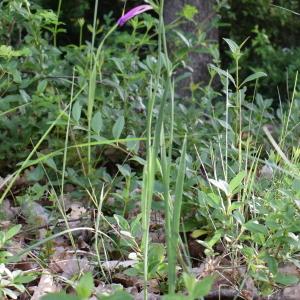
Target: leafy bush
[(273, 46)]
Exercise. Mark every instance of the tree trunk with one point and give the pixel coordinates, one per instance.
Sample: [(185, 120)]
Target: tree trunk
[(197, 61)]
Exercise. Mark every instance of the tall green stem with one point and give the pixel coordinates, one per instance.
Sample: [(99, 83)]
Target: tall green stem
[(56, 25)]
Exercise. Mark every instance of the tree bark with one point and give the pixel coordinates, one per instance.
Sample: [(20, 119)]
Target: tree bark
[(197, 61)]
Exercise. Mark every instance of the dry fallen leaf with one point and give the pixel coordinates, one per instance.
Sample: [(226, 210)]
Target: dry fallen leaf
[(46, 285)]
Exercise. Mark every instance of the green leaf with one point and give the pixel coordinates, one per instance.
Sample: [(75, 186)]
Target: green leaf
[(133, 145), (216, 238), (285, 279), (97, 122), (124, 170), (21, 279), (12, 232), (183, 38), (233, 46), (236, 181), (76, 111), (122, 222), (239, 217), (272, 264), (198, 232), (254, 77), (120, 295), (36, 174), (222, 73), (220, 184), (189, 282), (255, 227), (60, 296), (177, 297), (42, 86), (85, 286), (118, 127), (189, 11), (203, 287), (213, 200), (156, 254)]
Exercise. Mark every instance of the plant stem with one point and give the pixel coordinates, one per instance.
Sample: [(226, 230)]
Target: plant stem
[(56, 24)]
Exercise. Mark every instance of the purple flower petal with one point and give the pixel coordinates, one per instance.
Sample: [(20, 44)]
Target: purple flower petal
[(132, 13)]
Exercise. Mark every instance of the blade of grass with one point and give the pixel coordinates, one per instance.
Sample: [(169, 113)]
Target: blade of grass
[(176, 221)]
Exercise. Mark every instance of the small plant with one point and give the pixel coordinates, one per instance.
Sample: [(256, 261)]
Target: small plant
[(11, 282), (84, 289)]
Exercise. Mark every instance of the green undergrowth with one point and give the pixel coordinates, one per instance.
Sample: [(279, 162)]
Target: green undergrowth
[(100, 125)]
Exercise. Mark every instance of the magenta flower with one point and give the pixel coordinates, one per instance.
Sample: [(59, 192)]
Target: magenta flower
[(132, 13)]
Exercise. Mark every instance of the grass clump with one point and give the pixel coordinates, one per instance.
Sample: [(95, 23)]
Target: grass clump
[(122, 189)]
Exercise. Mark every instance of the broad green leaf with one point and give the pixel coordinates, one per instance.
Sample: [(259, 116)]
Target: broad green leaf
[(236, 181), (76, 111), (233, 206), (272, 264), (124, 170), (133, 145), (22, 279), (213, 200), (234, 48), (119, 64), (117, 86), (123, 224), (254, 77), (139, 160), (85, 286), (177, 297), (120, 295), (189, 282), (156, 253), (203, 287), (118, 127), (239, 217), (198, 232), (36, 174), (42, 86), (12, 232), (220, 184), (216, 238), (225, 125), (285, 279), (255, 227), (183, 38), (10, 293), (60, 296), (222, 73), (97, 122)]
